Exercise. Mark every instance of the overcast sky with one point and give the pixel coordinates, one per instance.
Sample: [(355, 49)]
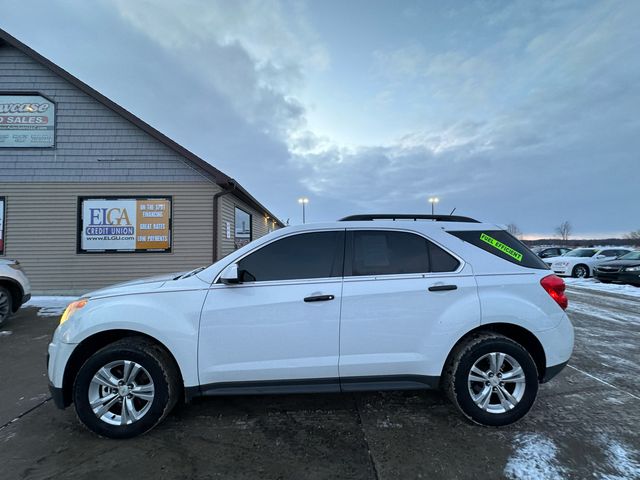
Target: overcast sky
[(524, 112)]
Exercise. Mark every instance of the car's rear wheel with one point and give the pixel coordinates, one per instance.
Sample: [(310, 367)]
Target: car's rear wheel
[(492, 380), (6, 304), (126, 388), (580, 271)]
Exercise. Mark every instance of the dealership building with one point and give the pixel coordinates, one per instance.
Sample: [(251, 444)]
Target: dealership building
[(92, 195)]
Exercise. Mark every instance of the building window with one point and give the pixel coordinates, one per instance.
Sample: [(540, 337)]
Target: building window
[(242, 228), (2, 217), (124, 224)]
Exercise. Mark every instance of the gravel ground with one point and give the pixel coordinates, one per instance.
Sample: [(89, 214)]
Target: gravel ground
[(586, 423)]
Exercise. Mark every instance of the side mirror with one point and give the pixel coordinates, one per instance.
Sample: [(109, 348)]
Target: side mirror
[(229, 275), (544, 255)]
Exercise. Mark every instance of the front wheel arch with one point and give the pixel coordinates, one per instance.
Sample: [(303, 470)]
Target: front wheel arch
[(91, 345)]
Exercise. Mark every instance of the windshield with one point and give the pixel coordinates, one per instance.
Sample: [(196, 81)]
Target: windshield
[(630, 256), (581, 252)]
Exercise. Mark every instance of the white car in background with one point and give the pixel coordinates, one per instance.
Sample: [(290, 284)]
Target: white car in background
[(580, 262), (15, 289)]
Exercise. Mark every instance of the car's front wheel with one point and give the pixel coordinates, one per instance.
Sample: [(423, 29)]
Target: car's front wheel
[(580, 271), (492, 380), (126, 388)]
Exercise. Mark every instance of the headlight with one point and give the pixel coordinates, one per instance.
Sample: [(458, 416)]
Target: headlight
[(561, 264), (633, 269), (72, 308)]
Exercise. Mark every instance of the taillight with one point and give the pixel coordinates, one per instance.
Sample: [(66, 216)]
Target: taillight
[(555, 287)]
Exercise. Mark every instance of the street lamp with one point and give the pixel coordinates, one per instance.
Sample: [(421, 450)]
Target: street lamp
[(433, 201), (303, 201)]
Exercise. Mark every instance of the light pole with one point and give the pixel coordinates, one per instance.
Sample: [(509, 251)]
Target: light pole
[(433, 201), (303, 201)]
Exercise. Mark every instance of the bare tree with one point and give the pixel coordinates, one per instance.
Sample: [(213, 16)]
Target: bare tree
[(564, 230), (633, 235), (513, 229)]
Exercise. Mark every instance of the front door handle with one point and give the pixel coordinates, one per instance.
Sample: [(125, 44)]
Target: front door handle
[(442, 288), (319, 298)]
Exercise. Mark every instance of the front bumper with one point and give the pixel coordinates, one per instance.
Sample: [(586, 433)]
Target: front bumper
[(58, 357), (57, 394), (564, 271), (618, 277)]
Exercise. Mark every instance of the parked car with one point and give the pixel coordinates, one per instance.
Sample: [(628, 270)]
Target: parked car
[(15, 289), (624, 269), (549, 252), (366, 303), (580, 262)]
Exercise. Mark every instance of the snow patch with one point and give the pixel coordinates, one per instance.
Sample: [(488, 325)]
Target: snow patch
[(5, 333), (621, 460), (534, 458), (50, 306), (606, 314), (593, 284)]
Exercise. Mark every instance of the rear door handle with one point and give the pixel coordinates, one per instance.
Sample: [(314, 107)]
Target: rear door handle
[(442, 288), (319, 298)]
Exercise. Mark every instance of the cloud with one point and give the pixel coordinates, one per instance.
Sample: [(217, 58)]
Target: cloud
[(513, 112), (253, 52)]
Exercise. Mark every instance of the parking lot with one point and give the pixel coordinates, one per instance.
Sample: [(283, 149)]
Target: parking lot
[(586, 423)]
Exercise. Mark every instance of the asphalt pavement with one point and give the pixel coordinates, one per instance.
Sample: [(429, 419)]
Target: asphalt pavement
[(585, 424)]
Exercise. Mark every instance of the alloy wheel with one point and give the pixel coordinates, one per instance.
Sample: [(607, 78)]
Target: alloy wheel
[(496, 382), (581, 272), (121, 392)]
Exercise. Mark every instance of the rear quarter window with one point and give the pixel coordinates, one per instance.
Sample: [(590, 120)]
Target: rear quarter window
[(503, 245)]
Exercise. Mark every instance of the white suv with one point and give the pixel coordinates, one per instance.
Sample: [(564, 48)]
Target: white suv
[(367, 303), (15, 289)]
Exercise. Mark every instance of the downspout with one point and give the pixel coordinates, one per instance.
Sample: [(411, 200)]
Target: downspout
[(216, 228)]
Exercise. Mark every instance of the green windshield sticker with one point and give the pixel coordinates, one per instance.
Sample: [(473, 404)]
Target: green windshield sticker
[(501, 246)]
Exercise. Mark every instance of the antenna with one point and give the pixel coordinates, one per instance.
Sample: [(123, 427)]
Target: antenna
[(454, 209)]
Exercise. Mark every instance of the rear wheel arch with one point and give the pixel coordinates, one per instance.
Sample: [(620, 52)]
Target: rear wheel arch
[(97, 341), (514, 332)]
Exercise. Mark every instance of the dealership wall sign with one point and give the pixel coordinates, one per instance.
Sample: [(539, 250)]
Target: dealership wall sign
[(140, 224), (26, 121), (2, 209)]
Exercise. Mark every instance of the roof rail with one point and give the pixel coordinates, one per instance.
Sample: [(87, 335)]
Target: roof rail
[(408, 216)]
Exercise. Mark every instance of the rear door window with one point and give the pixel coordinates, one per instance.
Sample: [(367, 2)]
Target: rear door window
[(503, 245), (377, 252)]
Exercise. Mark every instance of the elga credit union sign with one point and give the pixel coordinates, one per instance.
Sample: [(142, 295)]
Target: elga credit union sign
[(125, 225), (26, 121)]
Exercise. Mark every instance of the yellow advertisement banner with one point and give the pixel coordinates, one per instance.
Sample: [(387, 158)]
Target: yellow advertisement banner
[(152, 229)]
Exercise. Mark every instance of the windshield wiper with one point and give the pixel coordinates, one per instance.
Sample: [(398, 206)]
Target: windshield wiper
[(191, 273)]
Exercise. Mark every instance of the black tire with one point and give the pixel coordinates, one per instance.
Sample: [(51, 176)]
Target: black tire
[(604, 281), (456, 378), (575, 273), (6, 304), (161, 369)]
